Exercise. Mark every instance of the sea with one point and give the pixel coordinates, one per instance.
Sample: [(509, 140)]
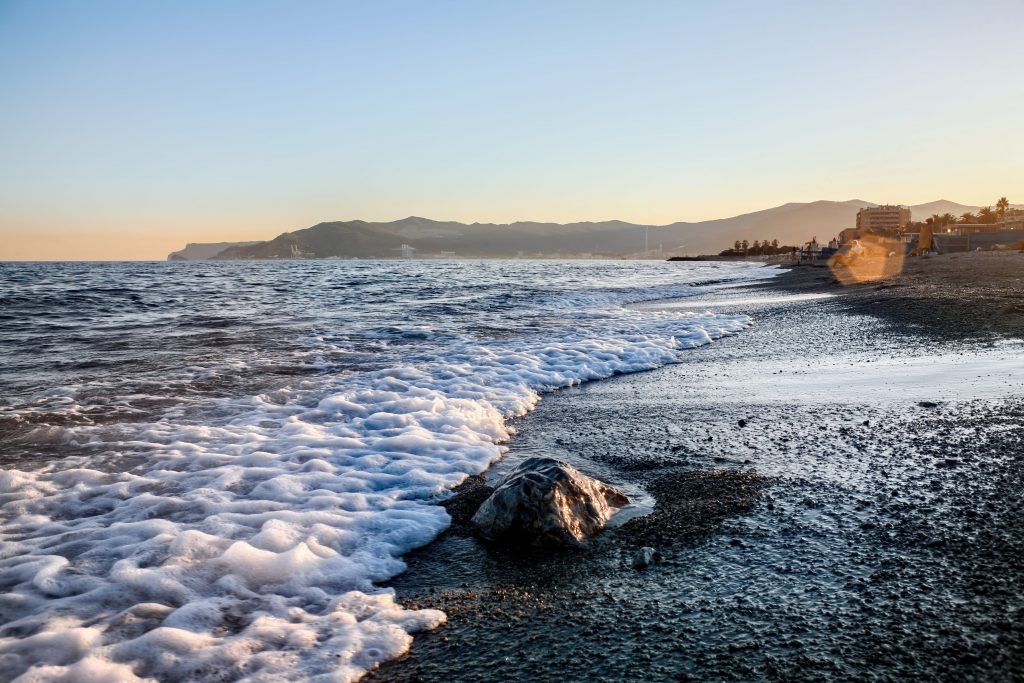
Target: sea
[(210, 468)]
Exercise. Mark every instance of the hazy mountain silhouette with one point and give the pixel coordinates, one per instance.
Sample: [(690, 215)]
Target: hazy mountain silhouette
[(792, 223), (197, 251), (941, 206)]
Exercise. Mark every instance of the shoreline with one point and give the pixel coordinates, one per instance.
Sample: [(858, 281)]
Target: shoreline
[(295, 455), (737, 501), (968, 295)]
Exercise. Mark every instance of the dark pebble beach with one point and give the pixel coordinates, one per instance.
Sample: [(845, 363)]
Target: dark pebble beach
[(834, 493)]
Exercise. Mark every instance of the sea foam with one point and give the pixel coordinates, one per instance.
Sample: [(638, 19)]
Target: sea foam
[(251, 545)]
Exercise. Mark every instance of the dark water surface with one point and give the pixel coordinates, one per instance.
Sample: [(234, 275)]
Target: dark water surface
[(109, 343)]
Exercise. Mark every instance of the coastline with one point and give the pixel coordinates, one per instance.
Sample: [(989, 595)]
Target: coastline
[(870, 528)]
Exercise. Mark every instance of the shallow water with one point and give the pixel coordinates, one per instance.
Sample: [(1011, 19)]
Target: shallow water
[(210, 467)]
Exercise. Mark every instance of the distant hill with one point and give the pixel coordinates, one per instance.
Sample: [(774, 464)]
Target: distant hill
[(198, 251), (792, 223), (922, 211)]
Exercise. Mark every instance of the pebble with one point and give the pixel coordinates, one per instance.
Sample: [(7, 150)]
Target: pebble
[(643, 557)]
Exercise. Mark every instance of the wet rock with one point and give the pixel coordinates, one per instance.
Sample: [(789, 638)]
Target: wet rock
[(545, 501), (643, 558), (928, 404)]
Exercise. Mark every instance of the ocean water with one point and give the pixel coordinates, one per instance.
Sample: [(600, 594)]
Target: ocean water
[(208, 468)]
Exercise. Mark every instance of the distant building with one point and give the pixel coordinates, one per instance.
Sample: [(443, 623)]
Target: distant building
[(811, 250), (883, 218), (982, 239), (848, 235), (998, 226)]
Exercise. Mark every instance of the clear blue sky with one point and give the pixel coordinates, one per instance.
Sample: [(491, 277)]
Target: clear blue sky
[(135, 126)]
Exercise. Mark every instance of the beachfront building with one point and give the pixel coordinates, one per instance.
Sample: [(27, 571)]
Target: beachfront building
[(848, 235), (882, 219), (810, 250), (998, 226), (910, 238), (1008, 232)]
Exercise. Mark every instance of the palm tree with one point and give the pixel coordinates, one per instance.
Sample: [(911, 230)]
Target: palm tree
[(947, 219), (745, 245), (737, 245), (986, 215), (968, 218), (1002, 206)]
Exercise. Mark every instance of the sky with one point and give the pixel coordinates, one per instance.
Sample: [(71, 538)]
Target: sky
[(130, 128)]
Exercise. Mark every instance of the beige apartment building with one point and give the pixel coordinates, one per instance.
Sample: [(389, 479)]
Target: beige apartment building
[(883, 218)]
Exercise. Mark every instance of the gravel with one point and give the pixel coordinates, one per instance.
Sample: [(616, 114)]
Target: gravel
[(854, 534)]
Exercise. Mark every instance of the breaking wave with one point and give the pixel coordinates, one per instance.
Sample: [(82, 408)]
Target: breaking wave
[(244, 537)]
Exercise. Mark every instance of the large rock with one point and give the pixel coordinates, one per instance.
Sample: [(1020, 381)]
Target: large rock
[(545, 501)]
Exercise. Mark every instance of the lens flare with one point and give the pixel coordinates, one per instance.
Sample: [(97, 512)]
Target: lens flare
[(868, 259)]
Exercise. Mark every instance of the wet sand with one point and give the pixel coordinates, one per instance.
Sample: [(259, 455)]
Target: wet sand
[(954, 296), (836, 493)]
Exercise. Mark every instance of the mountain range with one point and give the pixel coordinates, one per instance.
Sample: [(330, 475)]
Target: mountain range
[(791, 224)]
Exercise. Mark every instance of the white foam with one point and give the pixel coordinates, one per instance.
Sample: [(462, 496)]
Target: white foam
[(250, 546)]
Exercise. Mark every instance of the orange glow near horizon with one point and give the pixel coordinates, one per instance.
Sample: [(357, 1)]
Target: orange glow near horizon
[(98, 246)]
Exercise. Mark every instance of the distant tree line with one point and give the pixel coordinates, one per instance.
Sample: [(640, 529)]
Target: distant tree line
[(758, 248)]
